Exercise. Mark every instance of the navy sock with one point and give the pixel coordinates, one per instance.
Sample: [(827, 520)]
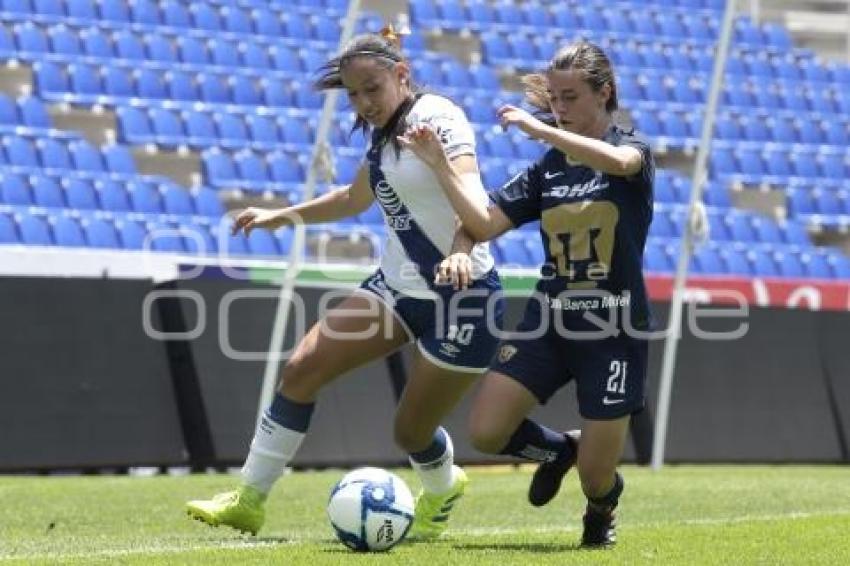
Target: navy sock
[(436, 449), (606, 503), (532, 441), (290, 414)]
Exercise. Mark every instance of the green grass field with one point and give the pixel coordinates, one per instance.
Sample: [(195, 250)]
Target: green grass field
[(683, 515)]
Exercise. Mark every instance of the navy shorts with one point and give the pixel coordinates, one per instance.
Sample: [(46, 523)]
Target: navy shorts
[(446, 335), (610, 372)]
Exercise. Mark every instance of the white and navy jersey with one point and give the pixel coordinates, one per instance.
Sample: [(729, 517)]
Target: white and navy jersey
[(419, 216), (593, 224)]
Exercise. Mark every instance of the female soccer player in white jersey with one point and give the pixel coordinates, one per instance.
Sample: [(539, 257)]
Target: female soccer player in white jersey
[(422, 238), (592, 192)]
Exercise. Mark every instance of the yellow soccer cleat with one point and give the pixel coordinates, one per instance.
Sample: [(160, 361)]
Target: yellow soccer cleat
[(431, 515), (242, 509)]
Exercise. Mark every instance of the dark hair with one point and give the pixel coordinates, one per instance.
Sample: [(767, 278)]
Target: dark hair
[(384, 49), (582, 56)]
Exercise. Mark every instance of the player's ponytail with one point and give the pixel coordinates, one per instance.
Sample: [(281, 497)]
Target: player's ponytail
[(582, 56), (384, 48)]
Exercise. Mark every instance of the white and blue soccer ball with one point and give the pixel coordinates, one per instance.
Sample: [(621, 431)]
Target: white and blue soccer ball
[(371, 509)]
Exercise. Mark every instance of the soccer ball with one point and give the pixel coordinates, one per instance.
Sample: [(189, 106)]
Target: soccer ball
[(370, 509)]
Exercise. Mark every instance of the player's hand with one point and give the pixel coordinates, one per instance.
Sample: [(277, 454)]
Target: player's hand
[(455, 269), (510, 115), (424, 142), (251, 218)]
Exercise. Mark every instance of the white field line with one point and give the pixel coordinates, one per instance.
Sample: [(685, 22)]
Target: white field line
[(247, 544)]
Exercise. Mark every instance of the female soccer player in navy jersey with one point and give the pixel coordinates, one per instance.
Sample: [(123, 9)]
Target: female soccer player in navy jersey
[(452, 351), (592, 192)]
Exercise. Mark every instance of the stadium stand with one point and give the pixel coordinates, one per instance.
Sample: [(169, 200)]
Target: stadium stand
[(229, 80)]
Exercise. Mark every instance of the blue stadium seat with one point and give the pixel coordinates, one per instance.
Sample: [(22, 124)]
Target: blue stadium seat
[(236, 20), (205, 17), (787, 68), (494, 174), (34, 230), (13, 190), (263, 243), (175, 14), (251, 167), (145, 197), (193, 50), (647, 123), (166, 126), (132, 234), (82, 9), (499, 145), (231, 130), (68, 233), (33, 112), (726, 127), (494, 47), (298, 25), (223, 53), (200, 127), (97, 43), (232, 245), (218, 166), (456, 75), (101, 234), (80, 194), (755, 128), (115, 11), (814, 71), (31, 38), (750, 161), (674, 125), (778, 162), (794, 98), (327, 29), (84, 79), (285, 168), (7, 44), (718, 228), (840, 266), (267, 22), (767, 230), (513, 250), (827, 202), (118, 81), (166, 237), (816, 266), (820, 100), (119, 159), (423, 11), (144, 12), (804, 162), (213, 88), (709, 261), (113, 196), (53, 155), (262, 129), (789, 264), (782, 130), (8, 231), (245, 91), (833, 164), (150, 84), (809, 130), (762, 263), (85, 156), (255, 56), (655, 259), (510, 13), (198, 240), (776, 35), (285, 58), (295, 130), (8, 111), (741, 228), (800, 202), (522, 47), (181, 86), (20, 151), (737, 93), (161, 48), (129, 46), (837, 132), (717, 195), (65, 41), (207, 202), (346, 168), (133, 125)]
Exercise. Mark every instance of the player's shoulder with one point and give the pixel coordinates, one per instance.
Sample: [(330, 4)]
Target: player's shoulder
[(621, 134), (430, 105)]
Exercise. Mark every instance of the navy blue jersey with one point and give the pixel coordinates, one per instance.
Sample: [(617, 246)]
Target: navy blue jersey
[(593, 225)]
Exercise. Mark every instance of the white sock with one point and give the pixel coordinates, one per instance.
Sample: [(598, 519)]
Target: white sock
[(437, 476), (272, 449)]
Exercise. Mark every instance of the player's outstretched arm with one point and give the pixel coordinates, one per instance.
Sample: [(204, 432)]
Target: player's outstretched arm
[(619, 160), (342, 202), (455, 177)]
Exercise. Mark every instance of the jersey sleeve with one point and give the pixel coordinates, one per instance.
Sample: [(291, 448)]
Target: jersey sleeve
[(646, 175), (519, 198), (451, 125)]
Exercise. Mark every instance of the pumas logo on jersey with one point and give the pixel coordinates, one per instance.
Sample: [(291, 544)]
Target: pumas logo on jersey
[(448, 349), (578, 190), (507, 352), (392, 205)]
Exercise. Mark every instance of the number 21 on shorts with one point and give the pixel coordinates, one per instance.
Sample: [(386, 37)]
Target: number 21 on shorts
[(617, 377)]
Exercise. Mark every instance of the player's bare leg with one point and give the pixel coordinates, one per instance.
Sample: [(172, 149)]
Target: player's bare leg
[(598, 455), (429, 395), (327, 351)]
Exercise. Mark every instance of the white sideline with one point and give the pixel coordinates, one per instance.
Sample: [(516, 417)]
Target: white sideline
[(475, 532)]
